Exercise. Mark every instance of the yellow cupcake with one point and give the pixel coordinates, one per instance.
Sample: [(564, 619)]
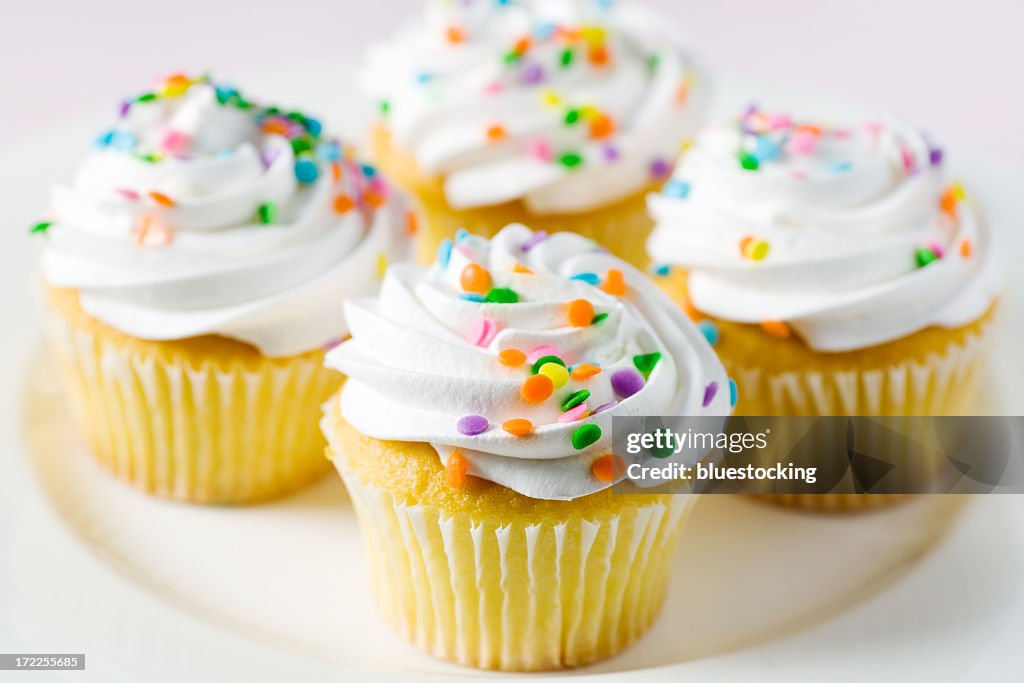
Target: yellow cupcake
[(194, 273), (835, 268), (556, 140), (475, 441)]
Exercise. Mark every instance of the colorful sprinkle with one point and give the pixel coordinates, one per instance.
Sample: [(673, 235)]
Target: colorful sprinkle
[(570, 160), (574, 414), (709, 330), (923, 256), (709, 393), (161, 199), (608, 468), (474, 278), (574, 399), (518, 427), (747, 161), (535, 239), (966, 248), (676, 189), (540, 150), (537, 389), (733, 393), (598, 318), (557, 373), (40, 227), (585, 371), (496, 133), (580, 313), (455, 470), (777, 329), (614, 282), (540, 362), (343, 204), (589, 278), (512, 358), (455, 35), (660, 169), (537, 352), (585, 435), (626, 382), (502, 295), (473, 296), (662, 270), (472, 425), (605, 406), (267, 212), (306, 171), (646, 362), (482, 331)]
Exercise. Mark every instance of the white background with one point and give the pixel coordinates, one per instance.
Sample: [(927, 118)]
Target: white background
[(955, 67)]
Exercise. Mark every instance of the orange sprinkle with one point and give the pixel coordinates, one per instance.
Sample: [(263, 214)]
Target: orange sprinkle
[(537, 388), (580, 313), (809, 128), (608, 468), (683, 93), (602, 126), (455, 34), (343, 203), (966, 248), (336, 171), (161, 199), (522, 45), (614, 282), (152, 232), (948, 203), (745, 245), (585, 371), (374, 200), (496, 133), (412, 224), (475, 278), (520, 268), (598, 55), (777, 328), (518, 427), (512, 357), (275, 127), (455, 470)]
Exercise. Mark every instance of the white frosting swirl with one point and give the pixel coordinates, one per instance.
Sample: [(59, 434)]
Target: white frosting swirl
[(835, 231), (565, 104), (418, 361), (201, 213)]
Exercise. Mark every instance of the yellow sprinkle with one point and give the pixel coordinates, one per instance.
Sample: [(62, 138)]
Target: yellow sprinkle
[(594, 35), (759, 250), (556, 373), (957, 189), (588, 112), (550, 98), (382, 265)]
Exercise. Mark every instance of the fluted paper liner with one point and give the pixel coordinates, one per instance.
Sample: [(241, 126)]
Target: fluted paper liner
[(516, 596), (210, 431)]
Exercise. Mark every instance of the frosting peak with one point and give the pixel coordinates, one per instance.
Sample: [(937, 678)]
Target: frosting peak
[(564, 104), (201, 212), (516, 353), (851, 235)]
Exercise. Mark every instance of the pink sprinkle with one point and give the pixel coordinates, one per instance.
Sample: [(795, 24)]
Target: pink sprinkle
[(539, 149), (482, 331), (541, 351), (842, 133), (780, 121), (908, 159), (573, 414), (130, 195), (874, 128), (797, 175), (174, 141), (803, 142), (936, 249), (493, 88)]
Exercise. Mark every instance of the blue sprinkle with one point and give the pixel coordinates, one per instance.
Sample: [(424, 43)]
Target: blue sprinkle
[(329, 151), (473, 296), (313, 126), (124, 142), (709, 330), (733, 393), (369, 171), (306, 171), (766, 149), (544, 30), (423, 77), (663, 270), (444, 253), (589, 278), (677, 189), (461, 234), (105, 139), (841, 167)]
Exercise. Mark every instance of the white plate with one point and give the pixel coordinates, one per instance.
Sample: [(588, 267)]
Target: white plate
[(154, 591)]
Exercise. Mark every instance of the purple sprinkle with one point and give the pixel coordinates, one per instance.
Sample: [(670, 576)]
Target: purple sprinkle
[(268, 158), (534, 240), (626, 382), (611, 153), (126, 107), (471, 425), (935, 156), (533, 73), (709, 393), (660, 168), (604, 406)]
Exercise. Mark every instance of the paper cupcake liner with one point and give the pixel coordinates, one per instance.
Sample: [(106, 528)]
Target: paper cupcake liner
[(622, 228), (516, 596), (210, 432)]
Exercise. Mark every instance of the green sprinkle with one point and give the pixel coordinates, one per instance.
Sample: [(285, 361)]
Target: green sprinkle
[(152, 157), (268, 213), (242, 103), (585, 435), (511, 58), (570, 159), (652, 62), (565, 59), (300, 145), (663, 452), (273, 111), (748, 161), (147, 97), (572, 117), (574, 399), (502, 295), (297, 116), (385, 107), (546, 359), (598, 318), (645, 362), (924, 256), (42, 226)]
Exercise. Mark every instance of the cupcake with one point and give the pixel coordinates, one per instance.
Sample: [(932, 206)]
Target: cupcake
[(195, 270), (835, 267), (473, 434), (559, 114)]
